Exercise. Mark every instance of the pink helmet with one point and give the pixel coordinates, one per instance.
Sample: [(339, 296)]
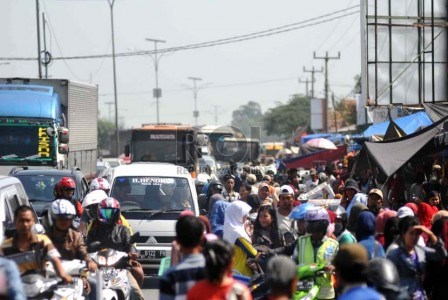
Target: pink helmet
[(100, 184)]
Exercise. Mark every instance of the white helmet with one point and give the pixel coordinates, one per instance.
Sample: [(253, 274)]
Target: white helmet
[(94, 197), (61, 208), (100, 184)]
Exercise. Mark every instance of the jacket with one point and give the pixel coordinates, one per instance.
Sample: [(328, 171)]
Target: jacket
[(117, 236), (324, 255), (71, 246), (412, 271)]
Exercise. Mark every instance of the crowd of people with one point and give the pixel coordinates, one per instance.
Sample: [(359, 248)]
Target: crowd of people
[(373, 246)]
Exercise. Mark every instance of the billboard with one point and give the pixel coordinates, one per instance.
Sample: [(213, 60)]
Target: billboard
[(404, 51)]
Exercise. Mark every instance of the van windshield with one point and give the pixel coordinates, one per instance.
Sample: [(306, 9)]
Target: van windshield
[(152, 193)]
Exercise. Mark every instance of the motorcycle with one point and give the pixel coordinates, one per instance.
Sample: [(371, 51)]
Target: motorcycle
[(111, 276), (39, 287), (307, 288), (68, 291)]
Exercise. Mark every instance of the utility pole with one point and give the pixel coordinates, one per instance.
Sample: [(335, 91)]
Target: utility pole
[(117, 136), (38, 39), (313, 79), (326, 58), (195, 94), (334, 113), (215, 112), (306, 82), (157, 93), (109, 104)]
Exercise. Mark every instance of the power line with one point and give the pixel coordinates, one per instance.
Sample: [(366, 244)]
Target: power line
[(235, 39)]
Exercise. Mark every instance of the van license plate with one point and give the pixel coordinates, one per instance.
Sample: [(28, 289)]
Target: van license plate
[(152, 253)]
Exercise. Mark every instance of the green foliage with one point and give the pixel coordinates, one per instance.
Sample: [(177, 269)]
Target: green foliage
[(247, 116), (285, 118), (105, 130)]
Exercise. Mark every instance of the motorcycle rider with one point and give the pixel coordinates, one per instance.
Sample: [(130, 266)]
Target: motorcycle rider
[(111, 233), (316, 248), (100, 184), (67, 241), (28, 249), (65, 189)]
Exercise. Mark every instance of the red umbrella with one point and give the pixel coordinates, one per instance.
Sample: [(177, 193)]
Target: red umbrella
[(321, 143)]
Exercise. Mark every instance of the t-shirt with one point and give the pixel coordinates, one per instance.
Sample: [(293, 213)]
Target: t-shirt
[(283, 222), (206, 290), (361, 292), (28, 260), (243, 250)]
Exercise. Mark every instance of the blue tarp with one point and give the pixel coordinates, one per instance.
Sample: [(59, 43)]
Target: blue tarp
[(334, 137), (409, 124)]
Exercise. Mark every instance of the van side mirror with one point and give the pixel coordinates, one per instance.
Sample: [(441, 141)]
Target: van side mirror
[(199, 151), (127, 150), (63, 148), (94, 247)]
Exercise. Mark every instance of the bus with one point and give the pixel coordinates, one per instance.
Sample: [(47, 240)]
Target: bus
[(167, 143)]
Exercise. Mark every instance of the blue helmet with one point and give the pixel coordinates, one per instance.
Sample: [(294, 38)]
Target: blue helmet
[(298, 213)]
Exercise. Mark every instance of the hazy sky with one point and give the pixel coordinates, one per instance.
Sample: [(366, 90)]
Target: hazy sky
[(265, 70)]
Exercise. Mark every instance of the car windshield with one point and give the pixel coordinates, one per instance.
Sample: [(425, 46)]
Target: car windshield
[(152, 192), (40, 187)]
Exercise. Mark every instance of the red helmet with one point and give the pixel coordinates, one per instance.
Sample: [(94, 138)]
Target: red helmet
[(67, 183), (109, 211)]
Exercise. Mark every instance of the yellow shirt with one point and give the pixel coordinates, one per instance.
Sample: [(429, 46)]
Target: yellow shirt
[(243, 250)]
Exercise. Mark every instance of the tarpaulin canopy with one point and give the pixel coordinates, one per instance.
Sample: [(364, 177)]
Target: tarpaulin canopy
[(308, 161), (334, 137), (389, 156), (437, 110), (409, 124)]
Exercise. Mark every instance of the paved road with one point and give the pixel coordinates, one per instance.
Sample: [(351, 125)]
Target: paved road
[(151, 289)]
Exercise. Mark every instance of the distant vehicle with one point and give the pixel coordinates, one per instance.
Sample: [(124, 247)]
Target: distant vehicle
[(206, 162), (37, 117), (39, 185), (166, 143), (272, 148), (228, 144), (152, 195), (12, 195), (100, 167)]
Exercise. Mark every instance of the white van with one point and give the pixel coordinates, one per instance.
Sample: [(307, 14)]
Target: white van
[(152, 195), (12, 195)]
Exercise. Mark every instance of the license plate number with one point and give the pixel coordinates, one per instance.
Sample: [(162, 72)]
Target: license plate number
[(152, 253)]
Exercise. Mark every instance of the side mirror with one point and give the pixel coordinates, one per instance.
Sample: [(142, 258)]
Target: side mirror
[(202, 202), (127, 150), (63, 149), (199, 151), (38, 229), (63, 135), (135, 237), (94, 247)]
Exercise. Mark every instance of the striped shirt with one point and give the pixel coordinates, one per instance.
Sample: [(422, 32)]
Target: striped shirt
[(179, 279), (30, 259)]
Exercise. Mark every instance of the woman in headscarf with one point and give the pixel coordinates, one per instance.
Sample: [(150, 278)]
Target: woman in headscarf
[(352, 222), (381, 220), (238, 233), (365, 235)]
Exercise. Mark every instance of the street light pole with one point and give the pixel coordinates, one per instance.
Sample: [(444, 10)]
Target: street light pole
[(195, 94), (117, 137), (157, 93)]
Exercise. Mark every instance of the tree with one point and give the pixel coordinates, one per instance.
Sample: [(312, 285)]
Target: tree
[(247, 116), (105, 129), (285, 118)]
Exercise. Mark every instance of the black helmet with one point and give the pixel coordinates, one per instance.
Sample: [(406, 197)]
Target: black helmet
[(215, 185), (383, 275)]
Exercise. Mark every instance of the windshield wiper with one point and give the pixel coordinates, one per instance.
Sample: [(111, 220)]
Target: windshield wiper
[(9, 156)]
